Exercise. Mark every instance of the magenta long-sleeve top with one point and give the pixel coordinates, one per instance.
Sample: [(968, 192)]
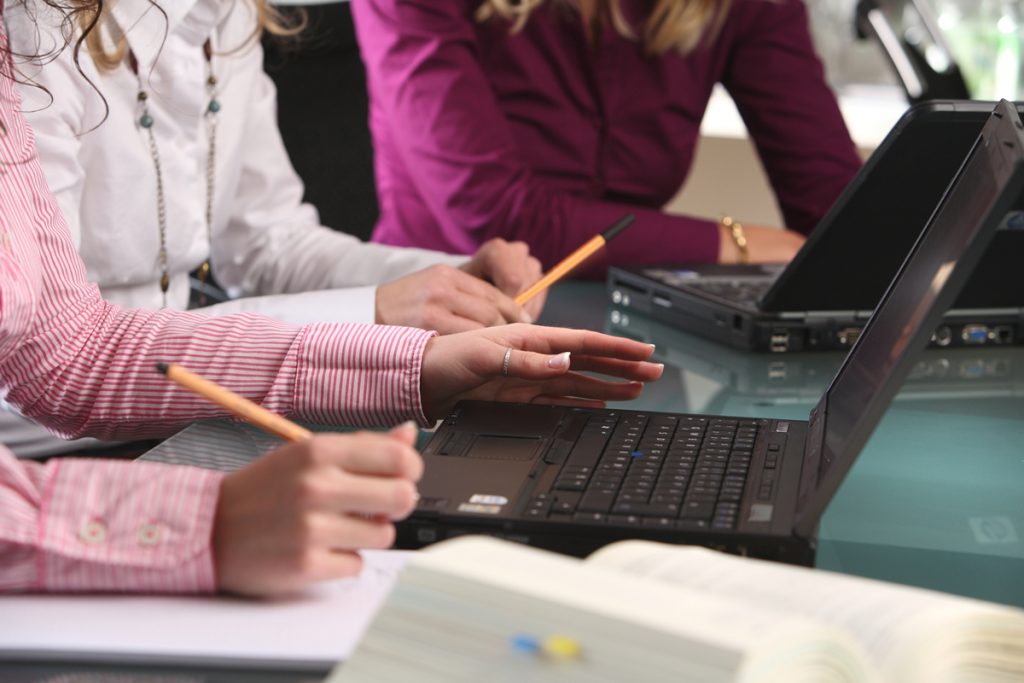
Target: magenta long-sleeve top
[(480, 132)]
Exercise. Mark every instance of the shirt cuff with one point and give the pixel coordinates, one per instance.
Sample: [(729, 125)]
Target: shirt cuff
[(127, 527), (359, 374)]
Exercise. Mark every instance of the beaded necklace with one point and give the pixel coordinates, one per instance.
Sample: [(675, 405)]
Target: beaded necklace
[(145, 121)]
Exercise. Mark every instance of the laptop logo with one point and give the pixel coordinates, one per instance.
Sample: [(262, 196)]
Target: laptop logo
[(993, 530), (488, 500), (479, 509)]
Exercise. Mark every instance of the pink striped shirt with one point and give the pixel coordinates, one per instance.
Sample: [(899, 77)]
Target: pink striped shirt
[(85, 367)]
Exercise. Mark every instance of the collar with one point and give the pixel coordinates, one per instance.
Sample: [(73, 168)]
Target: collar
[(147, 26)]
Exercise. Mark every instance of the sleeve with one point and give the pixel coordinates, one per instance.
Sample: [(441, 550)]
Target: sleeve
[(779, 86), (273, 243), (451, 134), (99, 525)]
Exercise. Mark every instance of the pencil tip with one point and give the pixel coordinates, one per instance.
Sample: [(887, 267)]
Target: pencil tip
[(162, 368)]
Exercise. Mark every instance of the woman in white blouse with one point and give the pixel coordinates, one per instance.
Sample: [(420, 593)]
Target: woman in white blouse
[(166, 158)]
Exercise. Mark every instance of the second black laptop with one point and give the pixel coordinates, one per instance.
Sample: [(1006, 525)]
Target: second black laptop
[(824, 296)]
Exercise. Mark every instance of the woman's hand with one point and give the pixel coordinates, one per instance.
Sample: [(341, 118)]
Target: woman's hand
[(511, 268), (300, 513), (544, 366), (479, 294)]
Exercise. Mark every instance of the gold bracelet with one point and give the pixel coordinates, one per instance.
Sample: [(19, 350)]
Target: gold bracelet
[(735, 229)]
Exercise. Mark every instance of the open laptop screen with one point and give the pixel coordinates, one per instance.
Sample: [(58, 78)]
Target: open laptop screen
[(858, 246), (943, 258)]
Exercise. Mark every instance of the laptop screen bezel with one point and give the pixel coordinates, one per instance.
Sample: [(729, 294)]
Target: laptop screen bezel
[(825, 468)]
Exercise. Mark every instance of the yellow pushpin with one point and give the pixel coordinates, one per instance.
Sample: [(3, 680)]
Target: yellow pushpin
[(561, 647)]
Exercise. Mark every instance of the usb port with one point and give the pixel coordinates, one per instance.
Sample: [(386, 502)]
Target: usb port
[(779, 341), (848, 335), (659, 300), (974, 334)]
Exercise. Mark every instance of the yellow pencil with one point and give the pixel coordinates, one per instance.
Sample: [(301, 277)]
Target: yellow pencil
[(574, 259), (235, 404)]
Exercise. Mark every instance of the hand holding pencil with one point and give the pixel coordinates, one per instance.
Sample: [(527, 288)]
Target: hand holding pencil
[(300, 513)]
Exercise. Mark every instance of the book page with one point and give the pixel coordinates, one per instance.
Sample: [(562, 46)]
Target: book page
[(733, 635), (910, 633)]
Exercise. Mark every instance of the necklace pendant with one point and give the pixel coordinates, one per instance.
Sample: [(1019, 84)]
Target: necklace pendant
[(165, 282), (203, 272)]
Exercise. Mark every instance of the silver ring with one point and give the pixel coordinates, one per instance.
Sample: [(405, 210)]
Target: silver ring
[(504, 364)]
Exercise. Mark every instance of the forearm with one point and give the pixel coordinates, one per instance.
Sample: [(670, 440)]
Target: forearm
[(94, 525), (655, 237), (307, 257), (93, 373)]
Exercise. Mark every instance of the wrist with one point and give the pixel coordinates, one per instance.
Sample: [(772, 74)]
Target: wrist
[(736, 237)]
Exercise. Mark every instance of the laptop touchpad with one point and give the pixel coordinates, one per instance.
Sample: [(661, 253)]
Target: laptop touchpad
[(504, 447)]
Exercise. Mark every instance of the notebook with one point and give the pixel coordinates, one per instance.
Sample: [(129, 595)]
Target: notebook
[(823, 297), (573, 480)]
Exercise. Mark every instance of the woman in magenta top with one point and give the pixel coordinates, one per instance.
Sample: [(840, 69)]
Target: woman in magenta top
[(545, 121)]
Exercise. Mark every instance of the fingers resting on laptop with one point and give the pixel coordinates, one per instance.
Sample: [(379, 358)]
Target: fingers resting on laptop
[(532, 363)]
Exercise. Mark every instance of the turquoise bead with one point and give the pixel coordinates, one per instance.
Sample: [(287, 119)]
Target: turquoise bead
[(214, 106), (146, 121)]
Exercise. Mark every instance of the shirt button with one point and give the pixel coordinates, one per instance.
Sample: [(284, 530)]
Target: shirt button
[(149, 534), (93, 532)]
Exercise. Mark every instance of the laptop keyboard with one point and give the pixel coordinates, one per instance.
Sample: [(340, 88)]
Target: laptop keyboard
[(676, 472), (733, 290)]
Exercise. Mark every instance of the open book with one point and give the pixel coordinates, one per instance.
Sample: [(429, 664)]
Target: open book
[(642, 611)]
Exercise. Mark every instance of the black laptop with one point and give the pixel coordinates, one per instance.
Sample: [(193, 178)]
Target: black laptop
[(572, 480), (823, 297)]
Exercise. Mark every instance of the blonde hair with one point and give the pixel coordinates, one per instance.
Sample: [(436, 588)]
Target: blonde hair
[(673, 24), (268, 19)]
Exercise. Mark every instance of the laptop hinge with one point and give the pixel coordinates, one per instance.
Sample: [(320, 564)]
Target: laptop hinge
[(811, 316), (810, 473), (828, 315)]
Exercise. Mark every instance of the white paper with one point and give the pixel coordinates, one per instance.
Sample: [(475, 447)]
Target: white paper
[(313, 630)]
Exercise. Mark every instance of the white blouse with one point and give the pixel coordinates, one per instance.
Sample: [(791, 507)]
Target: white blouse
[(267, 245), (97, 160)]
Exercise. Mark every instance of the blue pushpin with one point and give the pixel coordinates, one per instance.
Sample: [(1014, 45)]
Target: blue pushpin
[(525, 643)]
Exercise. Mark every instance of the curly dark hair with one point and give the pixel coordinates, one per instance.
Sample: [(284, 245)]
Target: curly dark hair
[(77, 16)]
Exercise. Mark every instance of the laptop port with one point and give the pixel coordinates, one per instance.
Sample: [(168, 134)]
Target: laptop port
[(661, 300), (1002, 334), (848, 335), (779, 341), (974, 334), (943, 336)]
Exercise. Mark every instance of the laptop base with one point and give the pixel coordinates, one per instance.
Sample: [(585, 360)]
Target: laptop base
[(743, 327), (580, 540)]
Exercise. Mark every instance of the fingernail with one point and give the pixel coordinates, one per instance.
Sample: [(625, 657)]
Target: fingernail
[(525, 318), (559, 361), (652, 347)]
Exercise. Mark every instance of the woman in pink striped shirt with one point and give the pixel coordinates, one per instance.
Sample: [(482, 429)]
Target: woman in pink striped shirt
[(83, 366)]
